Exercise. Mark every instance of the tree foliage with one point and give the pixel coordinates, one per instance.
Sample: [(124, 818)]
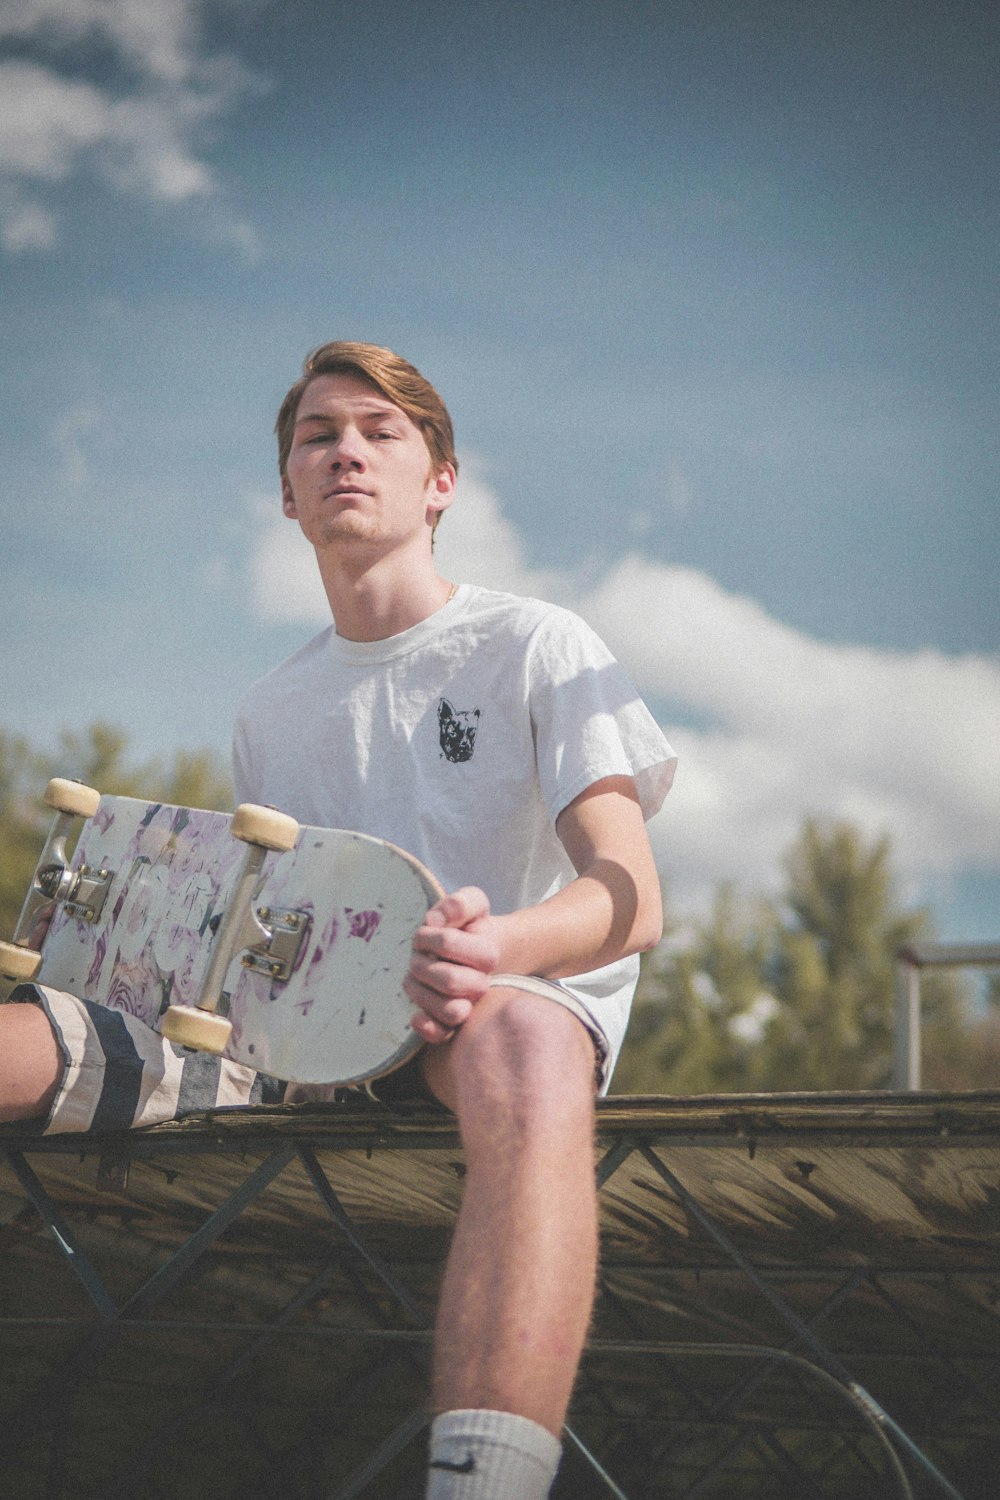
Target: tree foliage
[(799, 995)]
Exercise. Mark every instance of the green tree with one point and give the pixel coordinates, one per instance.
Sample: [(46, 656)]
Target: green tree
[(674, 1038), (700, 1002), (20, 776), (834, 967), (101, 758), (797, 996), (964, 1055)]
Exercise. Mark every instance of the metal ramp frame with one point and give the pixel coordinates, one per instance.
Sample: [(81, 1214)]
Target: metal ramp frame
[(799, 1296)]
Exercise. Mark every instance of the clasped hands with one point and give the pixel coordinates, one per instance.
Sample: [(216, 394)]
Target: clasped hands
[(456, 951)]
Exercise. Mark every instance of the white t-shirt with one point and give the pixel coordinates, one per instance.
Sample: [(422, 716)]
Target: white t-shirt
[(461, 740)]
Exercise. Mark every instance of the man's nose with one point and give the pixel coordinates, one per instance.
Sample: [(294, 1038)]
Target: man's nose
[(348, 451)]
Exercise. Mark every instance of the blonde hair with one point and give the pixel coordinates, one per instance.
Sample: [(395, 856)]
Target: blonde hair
[(390, 374)]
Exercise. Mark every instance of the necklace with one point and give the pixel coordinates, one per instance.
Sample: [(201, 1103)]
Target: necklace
[(451, 593)]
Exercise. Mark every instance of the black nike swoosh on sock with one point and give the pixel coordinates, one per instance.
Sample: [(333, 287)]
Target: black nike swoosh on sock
[(468, 1466)]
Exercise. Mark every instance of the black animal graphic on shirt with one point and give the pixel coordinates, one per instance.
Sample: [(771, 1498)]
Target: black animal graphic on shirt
[(457, 730)]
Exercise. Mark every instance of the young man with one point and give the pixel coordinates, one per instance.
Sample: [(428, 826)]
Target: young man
[(496, 739)]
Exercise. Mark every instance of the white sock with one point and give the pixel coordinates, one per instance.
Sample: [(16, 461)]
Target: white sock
[(490, 1455)]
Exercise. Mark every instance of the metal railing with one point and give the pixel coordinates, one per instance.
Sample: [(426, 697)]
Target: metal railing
[(910, 962)]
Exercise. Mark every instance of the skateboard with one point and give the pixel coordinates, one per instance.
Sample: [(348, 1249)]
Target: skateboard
[(283, 947)]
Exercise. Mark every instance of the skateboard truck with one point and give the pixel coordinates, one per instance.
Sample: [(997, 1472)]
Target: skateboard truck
[(283, 934), (202, 1025), (83, 890)]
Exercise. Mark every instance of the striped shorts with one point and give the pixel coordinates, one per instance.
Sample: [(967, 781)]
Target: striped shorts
[(119, 1073)]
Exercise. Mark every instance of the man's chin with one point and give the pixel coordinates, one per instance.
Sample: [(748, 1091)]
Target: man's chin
[(348, 527)]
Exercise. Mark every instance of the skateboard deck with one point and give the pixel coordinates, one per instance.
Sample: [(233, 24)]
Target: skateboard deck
[(313, 989)]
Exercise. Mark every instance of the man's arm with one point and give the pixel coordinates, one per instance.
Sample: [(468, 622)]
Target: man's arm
[(611, 909)]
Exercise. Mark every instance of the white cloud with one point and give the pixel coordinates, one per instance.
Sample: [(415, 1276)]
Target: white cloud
[(147, 152), (46, 121), (159, 38), (25, 225), (143, 137), (903, 743), (283, 571), (475, 543)]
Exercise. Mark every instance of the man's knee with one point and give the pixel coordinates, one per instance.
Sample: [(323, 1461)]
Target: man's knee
[(519, 1055), (524, 1036), (31, 1063)]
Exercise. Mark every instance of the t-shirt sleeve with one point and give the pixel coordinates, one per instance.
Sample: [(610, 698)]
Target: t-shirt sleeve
[(588, 719)]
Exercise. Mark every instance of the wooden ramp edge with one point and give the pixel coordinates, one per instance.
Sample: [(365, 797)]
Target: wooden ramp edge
[(242, 1301)]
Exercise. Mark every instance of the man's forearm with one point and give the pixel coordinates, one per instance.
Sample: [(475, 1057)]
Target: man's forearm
[(611, 909), (603, 915)]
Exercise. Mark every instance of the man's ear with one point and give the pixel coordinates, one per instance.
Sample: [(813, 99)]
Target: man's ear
[(442, 491), (288, 499)]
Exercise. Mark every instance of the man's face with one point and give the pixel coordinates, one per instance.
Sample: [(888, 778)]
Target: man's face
[(358, 470)]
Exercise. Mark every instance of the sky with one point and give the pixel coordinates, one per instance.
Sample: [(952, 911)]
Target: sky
[(710, 291)]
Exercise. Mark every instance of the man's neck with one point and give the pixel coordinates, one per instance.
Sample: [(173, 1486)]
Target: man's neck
[(372, 603)]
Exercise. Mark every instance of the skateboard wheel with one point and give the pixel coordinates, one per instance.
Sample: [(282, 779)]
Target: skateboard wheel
[(71, 797), (264, 826), (19, 963), (191, 1027)]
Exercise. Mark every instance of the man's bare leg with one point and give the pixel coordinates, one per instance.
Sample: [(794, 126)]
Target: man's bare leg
[(519, 1284), (31, 1063)]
